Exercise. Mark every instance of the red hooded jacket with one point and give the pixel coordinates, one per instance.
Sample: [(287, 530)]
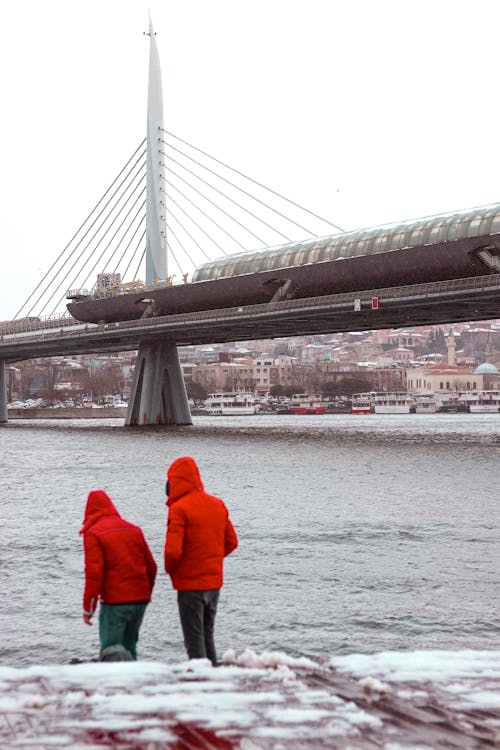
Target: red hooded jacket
[(119, 566), (199, 532)]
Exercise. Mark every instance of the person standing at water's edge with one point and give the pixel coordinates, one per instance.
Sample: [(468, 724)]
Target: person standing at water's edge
[(120, 571), (199, 536)]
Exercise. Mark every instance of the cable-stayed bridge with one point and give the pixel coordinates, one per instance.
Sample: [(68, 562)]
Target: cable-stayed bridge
[(173, 207)]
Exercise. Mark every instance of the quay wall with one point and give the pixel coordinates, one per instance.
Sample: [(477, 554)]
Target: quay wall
[(85, 412)]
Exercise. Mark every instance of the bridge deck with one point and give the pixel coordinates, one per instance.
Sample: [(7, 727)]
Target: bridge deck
[(475, 298)]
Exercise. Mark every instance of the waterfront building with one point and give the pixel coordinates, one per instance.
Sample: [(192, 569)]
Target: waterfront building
[(439, 378), (490, 376)]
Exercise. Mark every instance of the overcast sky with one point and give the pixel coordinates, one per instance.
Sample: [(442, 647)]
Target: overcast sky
[(364, 111)]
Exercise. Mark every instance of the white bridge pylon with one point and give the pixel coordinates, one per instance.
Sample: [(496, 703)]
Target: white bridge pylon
[(156, 216), (158, 394)]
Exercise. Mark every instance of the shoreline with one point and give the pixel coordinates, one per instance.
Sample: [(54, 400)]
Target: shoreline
[(73, 412)]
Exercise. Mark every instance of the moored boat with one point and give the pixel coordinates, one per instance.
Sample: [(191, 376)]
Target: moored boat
[(482, 402), (424, 403), (450, 403), (230, 404), (391, 402), (301, 403), (362, 403)]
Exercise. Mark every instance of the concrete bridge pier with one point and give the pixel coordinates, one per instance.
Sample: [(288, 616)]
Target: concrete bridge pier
[(158, 394), (3, 392)]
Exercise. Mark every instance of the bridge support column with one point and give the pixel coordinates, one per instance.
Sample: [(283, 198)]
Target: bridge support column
[(158, 394), (3, 392)]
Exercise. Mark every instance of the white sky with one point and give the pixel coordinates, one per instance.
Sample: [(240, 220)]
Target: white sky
[(365, 112)]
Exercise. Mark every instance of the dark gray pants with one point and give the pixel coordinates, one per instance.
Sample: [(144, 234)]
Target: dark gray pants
[(197, 610)]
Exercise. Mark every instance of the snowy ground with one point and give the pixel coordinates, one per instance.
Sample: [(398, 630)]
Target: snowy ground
[(396, 701)]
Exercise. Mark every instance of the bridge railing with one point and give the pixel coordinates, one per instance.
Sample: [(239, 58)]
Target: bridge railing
[(341, 300), (69, 326), (35, 323), (128, 287)]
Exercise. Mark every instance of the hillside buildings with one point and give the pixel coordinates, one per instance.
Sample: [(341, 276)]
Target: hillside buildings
[(423, 360)]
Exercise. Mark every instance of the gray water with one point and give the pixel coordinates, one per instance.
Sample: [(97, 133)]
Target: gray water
[(357, 534)]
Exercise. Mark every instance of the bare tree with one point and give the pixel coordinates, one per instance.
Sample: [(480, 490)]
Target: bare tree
[(104, 383), (50, 375), (28, 376)]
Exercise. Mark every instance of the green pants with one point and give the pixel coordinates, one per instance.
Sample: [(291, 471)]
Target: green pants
[(120, 623)]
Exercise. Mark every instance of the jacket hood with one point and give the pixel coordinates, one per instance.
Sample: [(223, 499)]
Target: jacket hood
[(98, 505), (183, 477)]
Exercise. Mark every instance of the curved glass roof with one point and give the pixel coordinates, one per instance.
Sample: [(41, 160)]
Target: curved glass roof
[(471, 222)]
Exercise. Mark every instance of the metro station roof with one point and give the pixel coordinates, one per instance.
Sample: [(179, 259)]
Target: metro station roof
[(431, 230)]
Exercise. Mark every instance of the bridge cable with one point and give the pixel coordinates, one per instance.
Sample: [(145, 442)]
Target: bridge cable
[(137, 199), (134, 253), (216, 206), (274, 192), (172, 200), (181, 245), (288, 239), (84, 236), (173, 256), (211, 220), (139, 225), (188, 234), (140, 260), (111, 240), (88, 260), (73, 238), (192, 187)]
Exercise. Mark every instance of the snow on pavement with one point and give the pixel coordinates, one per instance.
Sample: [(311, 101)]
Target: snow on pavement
[(393, 700)]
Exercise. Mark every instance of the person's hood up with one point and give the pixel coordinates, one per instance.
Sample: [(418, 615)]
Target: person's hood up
[(183, 477), (98, 505)]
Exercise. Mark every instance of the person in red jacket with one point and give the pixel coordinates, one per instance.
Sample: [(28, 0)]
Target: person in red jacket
[(119, 570), (199, 536)]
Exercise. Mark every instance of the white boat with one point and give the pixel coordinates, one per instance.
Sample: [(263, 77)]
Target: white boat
[(362, 403), (391, 402), (425, 403), (230, 404), (482, 402)]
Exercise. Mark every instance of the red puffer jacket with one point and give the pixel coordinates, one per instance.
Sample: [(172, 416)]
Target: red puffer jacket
[(119, 566), (199, 532)]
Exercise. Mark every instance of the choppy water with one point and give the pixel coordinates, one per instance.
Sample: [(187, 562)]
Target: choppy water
[(357, 534)]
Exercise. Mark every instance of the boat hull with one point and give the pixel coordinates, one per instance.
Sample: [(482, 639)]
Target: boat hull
[(306, 410), (231, 411), (379, 409), (425, 409), (484, 408)]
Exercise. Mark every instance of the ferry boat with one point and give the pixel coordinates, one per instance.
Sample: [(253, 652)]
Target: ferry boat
[(450, 403), (482, 402), (230, 404), (424, 403), (391, 402), (301, 403), (362, 403)]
